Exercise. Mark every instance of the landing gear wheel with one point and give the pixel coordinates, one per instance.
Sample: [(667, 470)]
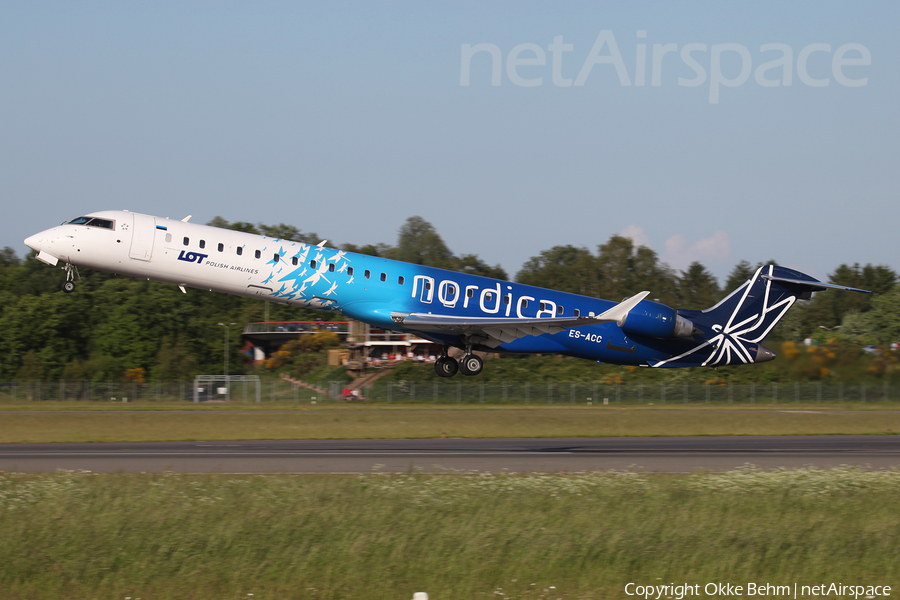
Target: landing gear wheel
[(446, 366), (471, 365), (71, 274)]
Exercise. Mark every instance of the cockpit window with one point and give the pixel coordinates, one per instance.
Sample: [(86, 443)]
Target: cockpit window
[(104, 223), (93, 222)]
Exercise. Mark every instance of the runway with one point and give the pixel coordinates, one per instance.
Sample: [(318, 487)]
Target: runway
[(554, 455)]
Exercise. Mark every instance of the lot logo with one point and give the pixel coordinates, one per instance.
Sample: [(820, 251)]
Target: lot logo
[(192, 257)]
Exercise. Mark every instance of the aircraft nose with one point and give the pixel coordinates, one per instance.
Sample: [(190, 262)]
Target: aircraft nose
[(764, 354), (34, 242)]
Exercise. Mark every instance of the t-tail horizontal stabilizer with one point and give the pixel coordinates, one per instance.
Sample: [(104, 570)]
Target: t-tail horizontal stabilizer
[(813, 285)]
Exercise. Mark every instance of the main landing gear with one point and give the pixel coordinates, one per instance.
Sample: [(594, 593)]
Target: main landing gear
[(68, 285), (447, 366)]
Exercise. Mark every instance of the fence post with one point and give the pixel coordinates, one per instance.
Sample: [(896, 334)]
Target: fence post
[(819, 391), (617, 393), (685, 393), (481, 391), (527, 393), (708, 391), (730, 399), (774, 393), (458, 392), (390, 391), (862, 391), (796, 392), (662, 392), (62, 390), (504, 392), (549, 393)]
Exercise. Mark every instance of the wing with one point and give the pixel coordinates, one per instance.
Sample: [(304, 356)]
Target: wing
[(496, 331)]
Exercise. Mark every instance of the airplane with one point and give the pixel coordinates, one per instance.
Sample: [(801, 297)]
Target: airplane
[(449, 308)]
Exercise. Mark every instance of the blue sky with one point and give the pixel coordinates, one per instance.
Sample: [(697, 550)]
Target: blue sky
[(347, 118)]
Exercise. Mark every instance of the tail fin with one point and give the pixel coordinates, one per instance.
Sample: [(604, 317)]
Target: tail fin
[(733, 329)]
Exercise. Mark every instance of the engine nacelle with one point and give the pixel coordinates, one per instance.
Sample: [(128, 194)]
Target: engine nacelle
[(652, 319)]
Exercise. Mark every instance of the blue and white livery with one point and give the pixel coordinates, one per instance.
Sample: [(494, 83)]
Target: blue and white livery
[(449, 308)]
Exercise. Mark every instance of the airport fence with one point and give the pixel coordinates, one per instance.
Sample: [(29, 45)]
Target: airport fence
[(456, 391)]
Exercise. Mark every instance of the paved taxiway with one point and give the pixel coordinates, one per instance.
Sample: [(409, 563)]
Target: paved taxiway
[(669, 455)]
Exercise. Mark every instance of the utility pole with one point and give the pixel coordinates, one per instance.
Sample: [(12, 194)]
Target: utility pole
[(227, 387)]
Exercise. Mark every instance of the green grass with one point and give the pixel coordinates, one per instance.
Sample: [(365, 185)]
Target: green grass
[(421, 422), (75, 535)]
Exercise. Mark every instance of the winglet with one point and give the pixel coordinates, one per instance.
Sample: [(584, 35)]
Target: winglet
[(620, 311), (322, 243), (187, 218)]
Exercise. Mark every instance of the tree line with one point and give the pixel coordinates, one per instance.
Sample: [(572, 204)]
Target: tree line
[(112, 324)]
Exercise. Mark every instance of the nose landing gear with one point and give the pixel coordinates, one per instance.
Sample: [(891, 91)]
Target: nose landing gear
[(68, 285)]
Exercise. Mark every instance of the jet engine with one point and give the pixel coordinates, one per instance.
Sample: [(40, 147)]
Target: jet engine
[(651, 319)]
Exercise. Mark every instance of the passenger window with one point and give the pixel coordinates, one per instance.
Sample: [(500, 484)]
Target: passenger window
[(350, 271), (221, 247), (187, 241), (400, 280), (577, 312), (294, 261), (168, 237), (470, 293), (257, 254), (312, 264), (524, 303), (427, 285), (505, 299), (240, 250), (542, 306), (384, 276), (559, 310), (331, 268), (368, 274), (276, 258), (202, 244), (488, 297)]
